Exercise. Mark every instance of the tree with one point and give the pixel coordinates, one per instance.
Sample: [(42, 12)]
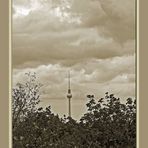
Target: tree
[(108, 123), (112, 123), (25, 97)]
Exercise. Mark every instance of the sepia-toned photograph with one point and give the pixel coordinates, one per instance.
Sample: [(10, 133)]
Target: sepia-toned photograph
[(74, 73)]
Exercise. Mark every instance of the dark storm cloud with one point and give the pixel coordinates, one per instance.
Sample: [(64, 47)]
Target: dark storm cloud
[(43, 33)]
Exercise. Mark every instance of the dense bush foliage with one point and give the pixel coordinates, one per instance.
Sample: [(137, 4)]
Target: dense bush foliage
[(108, 123)]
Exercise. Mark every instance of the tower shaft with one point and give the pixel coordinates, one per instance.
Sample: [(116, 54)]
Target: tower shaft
[(69, 111)]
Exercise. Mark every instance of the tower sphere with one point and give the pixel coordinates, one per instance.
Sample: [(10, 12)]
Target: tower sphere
[(69, 95)]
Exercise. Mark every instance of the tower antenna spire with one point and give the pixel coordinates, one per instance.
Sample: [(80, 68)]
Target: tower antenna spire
[(69, 80)]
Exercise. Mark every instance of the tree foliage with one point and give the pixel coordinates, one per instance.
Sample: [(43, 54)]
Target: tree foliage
[(108, 123), (25, 97)]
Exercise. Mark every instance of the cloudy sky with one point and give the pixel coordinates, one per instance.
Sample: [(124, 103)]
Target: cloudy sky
[(94, 39)]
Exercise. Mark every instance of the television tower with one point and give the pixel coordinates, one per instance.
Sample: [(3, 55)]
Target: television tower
[(69, 96)]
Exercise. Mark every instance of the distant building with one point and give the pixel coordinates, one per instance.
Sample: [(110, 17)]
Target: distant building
[(69, 96)]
